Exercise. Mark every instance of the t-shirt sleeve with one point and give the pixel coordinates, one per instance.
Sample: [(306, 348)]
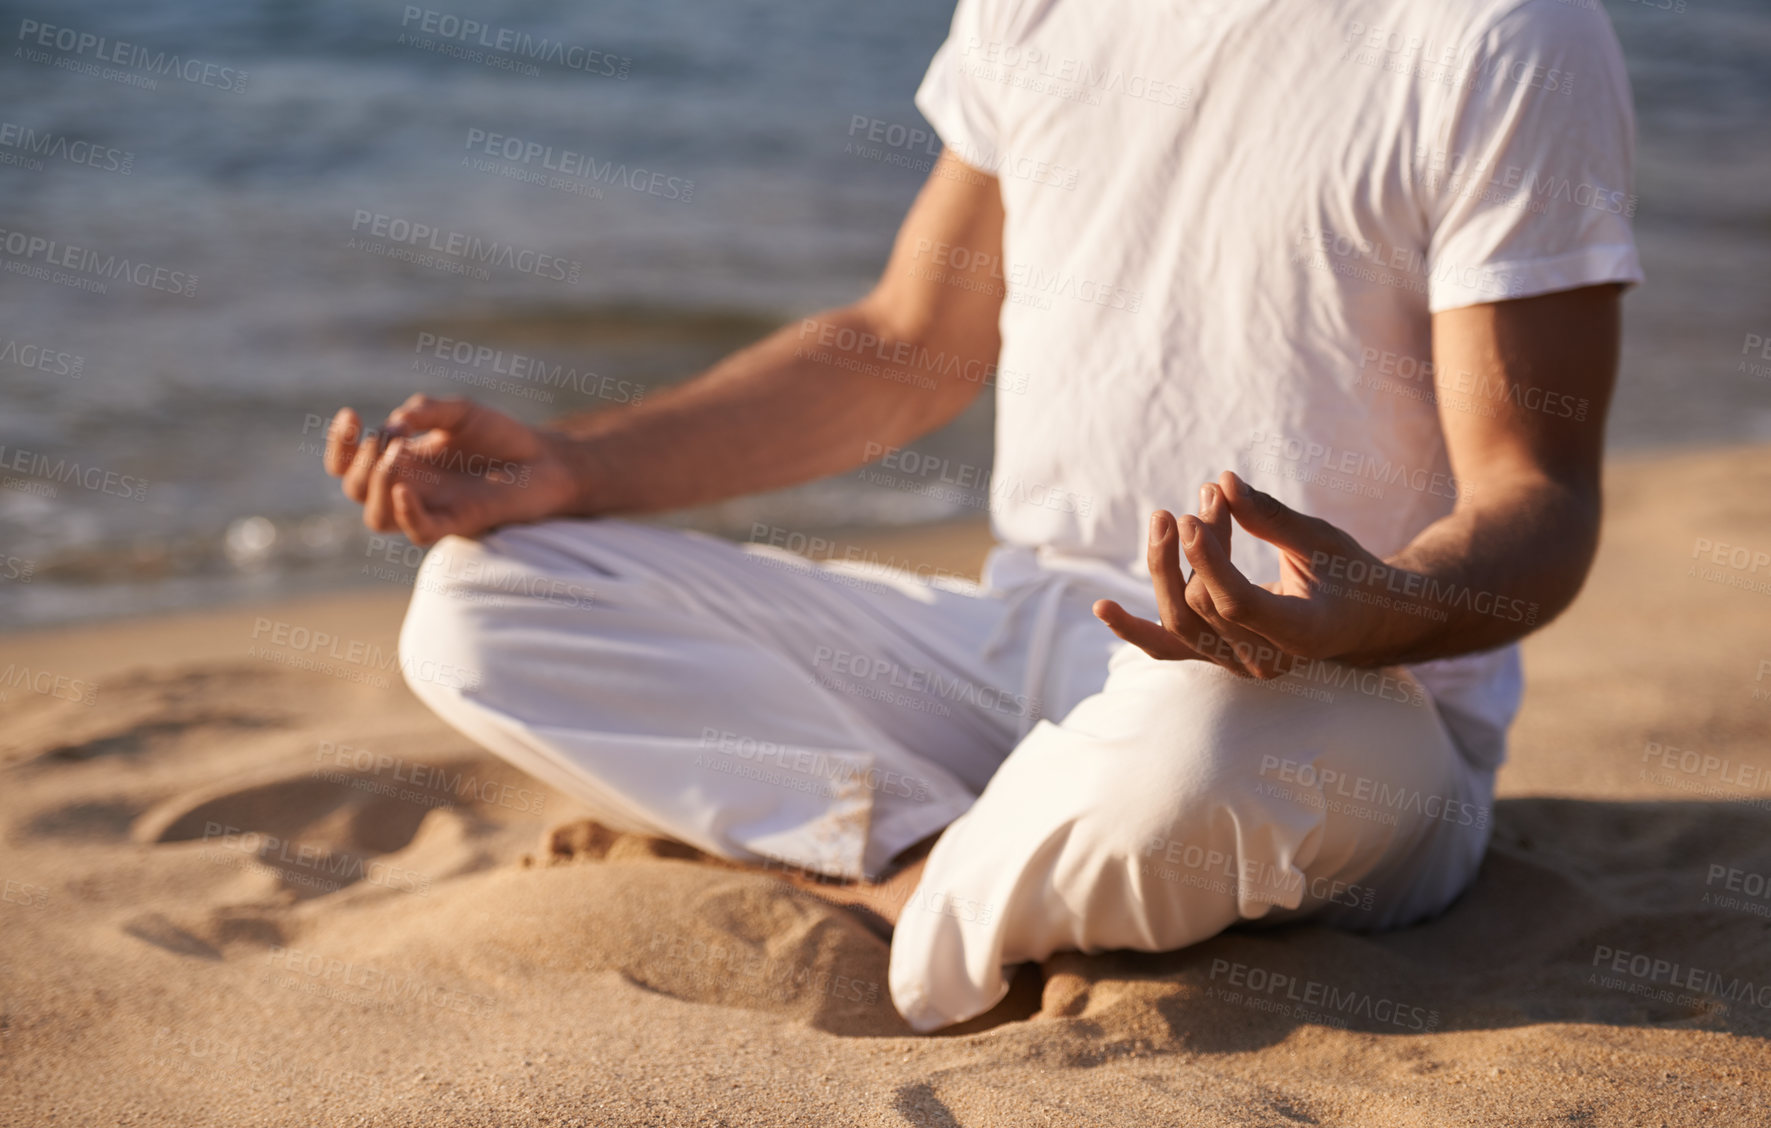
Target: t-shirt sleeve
[(1529, 191), (954, 97)]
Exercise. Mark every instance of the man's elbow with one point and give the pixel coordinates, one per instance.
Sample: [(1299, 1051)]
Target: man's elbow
[(949, 363), (1572, 531)]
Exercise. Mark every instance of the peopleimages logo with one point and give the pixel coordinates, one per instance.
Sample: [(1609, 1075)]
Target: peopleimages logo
[(1071, 79), (466, 251), (61, 147), (35, 34), (23, 248), (581, 166), (50, 361), (1516, 185), (47, 683), (1254, 982), (516, 46), (431, 785), (38, 467), (488, 367), (1354, 465)]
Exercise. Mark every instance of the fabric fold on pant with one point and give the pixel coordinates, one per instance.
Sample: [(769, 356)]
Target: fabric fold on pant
[(1050, 590), (683, 686), (1178, 801)]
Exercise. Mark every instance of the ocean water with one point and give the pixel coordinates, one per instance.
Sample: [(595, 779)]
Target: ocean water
[(257, 185)]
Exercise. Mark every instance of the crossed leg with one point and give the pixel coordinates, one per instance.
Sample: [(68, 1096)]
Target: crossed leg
[(683, 687), (1181, 800), (746, 702)]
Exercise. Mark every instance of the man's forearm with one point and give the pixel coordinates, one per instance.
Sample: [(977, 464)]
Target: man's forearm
[(1486, 575), (802, 403)]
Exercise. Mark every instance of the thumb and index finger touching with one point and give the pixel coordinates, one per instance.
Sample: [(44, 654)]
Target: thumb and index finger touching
[(371, 462), (424, 413), (346, 434), (1206, 540), (1266, 517), (1233, 596)]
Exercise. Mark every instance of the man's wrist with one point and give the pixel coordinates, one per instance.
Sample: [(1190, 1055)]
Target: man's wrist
[(584, 486), (1395, 616)]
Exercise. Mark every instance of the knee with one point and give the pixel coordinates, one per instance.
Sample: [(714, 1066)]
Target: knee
[(1178, 805), (1192, 783), (445, 641)]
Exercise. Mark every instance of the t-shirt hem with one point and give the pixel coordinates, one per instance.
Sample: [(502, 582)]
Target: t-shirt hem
[(1507, 281)]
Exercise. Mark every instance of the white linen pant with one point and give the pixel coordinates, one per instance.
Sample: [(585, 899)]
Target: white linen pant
[(760, 707)]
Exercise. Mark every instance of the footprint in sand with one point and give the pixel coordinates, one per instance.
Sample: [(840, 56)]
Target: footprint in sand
[(158, 930), (314, 832), (145, 712)]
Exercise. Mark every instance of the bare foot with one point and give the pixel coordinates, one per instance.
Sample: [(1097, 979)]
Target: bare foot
[(586, 840)]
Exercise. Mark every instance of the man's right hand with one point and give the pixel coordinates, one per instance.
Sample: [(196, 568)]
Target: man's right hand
[(443, 466)]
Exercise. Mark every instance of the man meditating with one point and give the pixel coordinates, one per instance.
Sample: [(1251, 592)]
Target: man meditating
[(1302, 321)]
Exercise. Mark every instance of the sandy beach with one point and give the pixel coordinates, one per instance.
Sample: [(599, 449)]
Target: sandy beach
[(249, 880)]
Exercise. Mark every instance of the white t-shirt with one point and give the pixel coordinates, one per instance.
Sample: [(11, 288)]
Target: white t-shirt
[(1228, 223)]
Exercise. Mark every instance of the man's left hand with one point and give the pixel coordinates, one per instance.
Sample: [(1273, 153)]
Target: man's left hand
[(1255, 630)]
